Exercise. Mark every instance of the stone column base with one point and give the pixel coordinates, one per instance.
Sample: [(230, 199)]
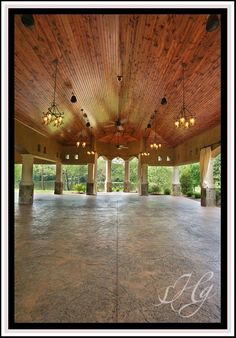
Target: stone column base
[(108, 186), (90, 189), (208, 197), (26, 193), (144, 189), (176, 191), (58, 189), (127, 186)]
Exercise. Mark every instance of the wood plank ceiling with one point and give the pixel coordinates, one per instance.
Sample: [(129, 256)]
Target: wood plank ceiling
[(147, 50)]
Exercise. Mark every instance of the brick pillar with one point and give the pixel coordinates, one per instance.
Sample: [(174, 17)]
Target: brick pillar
[(127, 176), (144, 179), (108, 182), (208, 194), (176, 191), (26, 188), (58, 190), (90, 182)]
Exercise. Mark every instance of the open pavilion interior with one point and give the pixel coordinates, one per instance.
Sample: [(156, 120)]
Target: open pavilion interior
[(117, 82)]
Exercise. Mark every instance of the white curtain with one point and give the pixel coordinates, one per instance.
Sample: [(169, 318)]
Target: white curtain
[(205, 158)]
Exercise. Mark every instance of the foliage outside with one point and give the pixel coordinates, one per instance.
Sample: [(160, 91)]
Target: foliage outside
[(160, 179)]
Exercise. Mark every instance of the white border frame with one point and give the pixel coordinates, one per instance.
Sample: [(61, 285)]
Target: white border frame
[(5, 5)]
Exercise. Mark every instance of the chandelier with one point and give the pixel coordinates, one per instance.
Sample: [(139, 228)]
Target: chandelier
[(90, 152), (145, 152), (185, 118), (155, 144), (53, 115), (80, 143)]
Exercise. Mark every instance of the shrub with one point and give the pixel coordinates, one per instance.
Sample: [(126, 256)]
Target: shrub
[(154, 188), (167, 191), (197, 195), (218, 197), (189, 193), (186, 182), (80, 188)]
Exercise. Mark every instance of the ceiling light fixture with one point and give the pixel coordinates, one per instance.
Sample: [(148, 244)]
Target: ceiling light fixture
[(53, 115), (163, 101), (184, 119), (73, 98), (212, 23), (145, 152), (27, 20), (81, 143), (155, 144)]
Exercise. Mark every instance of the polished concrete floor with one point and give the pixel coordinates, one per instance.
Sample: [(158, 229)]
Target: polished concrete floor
[(111, 258)]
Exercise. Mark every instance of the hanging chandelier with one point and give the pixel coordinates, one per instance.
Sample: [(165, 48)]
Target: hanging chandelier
[(155, 144), (53, 115), (90, 152), (145, 152), (185, 118), (81, 143)]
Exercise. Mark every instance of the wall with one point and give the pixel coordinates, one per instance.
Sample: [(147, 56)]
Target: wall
[(27, 141), (189, 152)]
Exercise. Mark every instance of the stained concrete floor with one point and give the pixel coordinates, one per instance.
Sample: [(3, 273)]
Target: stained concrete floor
[(109, 258)]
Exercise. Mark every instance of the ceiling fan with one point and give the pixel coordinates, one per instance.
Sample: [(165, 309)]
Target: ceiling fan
[(117, 123), (121, 146), (118, 145)]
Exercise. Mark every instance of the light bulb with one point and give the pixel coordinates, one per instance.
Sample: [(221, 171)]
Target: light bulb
[(192, 121), (159, 145), (151, 145), (77, 144), (83, 144), (88, 152), (186, 124), (177, 124), (182, 120)]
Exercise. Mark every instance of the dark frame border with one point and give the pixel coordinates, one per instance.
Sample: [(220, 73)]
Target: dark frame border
[(203, 326)]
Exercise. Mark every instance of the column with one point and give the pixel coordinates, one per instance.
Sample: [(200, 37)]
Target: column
[(108, 182), (139, 175), (176, 191), (90, 182), (58, 190), (208, 193), (127, 176), (144, 179), (26, 188), (95, 169)]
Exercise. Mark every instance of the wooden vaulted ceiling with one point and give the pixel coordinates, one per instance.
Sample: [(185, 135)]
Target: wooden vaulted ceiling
[(147, 50)]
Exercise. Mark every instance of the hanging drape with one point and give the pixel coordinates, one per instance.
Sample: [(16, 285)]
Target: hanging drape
[(205, 157)]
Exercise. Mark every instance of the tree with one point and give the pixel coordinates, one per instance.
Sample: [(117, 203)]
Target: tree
[(160, 177), (217, 171), (186, 181), (18, 169), (195, 174)]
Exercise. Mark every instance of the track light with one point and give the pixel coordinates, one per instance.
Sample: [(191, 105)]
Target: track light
[(73, 98), (27, 20), (212, 23), (163, 101)]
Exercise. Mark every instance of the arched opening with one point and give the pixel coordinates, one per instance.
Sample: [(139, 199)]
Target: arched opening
[(159, 180), (117, 174), (101, 173), (74, 177), (134, 174)]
